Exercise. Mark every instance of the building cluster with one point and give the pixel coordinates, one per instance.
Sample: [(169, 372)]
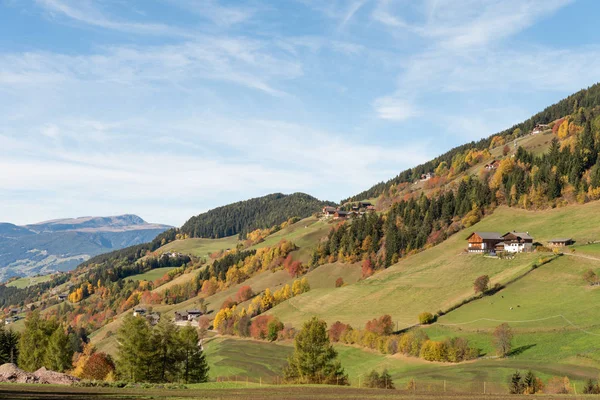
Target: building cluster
[(188, 315), (143, 312), (357, 209), (510, 242)]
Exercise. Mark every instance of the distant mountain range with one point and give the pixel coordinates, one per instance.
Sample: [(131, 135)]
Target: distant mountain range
[(62, 244)]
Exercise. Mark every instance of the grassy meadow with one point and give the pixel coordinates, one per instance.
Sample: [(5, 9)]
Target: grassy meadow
[(24, 282)]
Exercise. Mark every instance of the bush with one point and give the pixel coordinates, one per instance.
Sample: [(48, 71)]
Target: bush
[(383, 381), (426, 318), (339, 282)]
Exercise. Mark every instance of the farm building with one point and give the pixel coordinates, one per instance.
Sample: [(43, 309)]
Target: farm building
[(339, 214), (517, 242), (483, 242), (329, 211), (560, 242), (427, 176), (493, 165), (188, 315), (540, 128), (139, 311)]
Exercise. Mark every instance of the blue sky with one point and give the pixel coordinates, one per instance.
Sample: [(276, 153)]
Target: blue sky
[(167, 108)]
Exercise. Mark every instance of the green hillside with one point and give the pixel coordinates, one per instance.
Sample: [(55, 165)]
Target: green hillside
[(245, 216)]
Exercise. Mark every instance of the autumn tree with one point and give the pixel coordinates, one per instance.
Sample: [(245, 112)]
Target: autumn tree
[(99, 366), (244, 293), (367, 268), (503, 336), (481, 284), (591, 277), (314, 358), (339, 282)]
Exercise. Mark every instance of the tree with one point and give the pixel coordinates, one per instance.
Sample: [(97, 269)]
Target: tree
[(383, 381), (166, 347), (195, 367), (426, 318), (273, 329), (135, 350), (505, 150), (591, 277), (59, 353), (9, 342), (339, 282), (531, 383), (244, 293), (98, 367), (314, 358), (502, 339), (33, 343), (516, 385), (367, 268), (481, 284)]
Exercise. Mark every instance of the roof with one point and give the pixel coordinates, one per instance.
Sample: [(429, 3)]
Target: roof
[(560, 240), (329, 208), (487, 235), (194, 311), (340, 212), (522, 235)]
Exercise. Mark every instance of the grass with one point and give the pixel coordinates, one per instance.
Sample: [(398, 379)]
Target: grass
[(200, 247), (24, 282), (151, 275)]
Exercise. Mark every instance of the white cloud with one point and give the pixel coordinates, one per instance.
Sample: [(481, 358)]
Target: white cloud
[(395, 109)]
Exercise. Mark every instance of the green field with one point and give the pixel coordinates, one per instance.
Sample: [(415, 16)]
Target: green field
[(22, 283), (151, 275), (200, 247)]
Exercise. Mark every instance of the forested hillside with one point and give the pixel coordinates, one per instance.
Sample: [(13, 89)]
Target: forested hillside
[(245, 216), (586, 98)]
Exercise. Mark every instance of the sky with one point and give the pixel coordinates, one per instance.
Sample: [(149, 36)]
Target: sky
[(168, 108)]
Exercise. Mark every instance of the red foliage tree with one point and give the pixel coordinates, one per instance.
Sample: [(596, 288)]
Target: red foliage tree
[(381, 326), (98, 366), (367, 268), (336, 330), (259, 328), (339, 282), (294, 268), (244, 293), (228, 303)]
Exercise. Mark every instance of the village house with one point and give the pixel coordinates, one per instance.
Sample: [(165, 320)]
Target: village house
[(153, 318), (188, 315), (63, 296), (329, 211), (493, 165), (14, 311), (339, 214), (139, 311), (540, 128), (427, 176), (516, 242), (560, 242), (181, 316), (483, 242)]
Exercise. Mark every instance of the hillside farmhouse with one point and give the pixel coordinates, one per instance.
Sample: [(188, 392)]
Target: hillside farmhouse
[(139, 311), (560, 242), (540, 128), (329, 212), (493, 165), (427, 176), (188, 315), (491, 242)]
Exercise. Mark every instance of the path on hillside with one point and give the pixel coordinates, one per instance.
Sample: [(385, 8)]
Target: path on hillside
[(582, 256)]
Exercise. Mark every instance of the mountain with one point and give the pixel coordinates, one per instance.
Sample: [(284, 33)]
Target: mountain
[(245, 216), (62, 244)]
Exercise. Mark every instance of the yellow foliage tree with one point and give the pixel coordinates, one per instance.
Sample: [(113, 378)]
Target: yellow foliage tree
[(563, 129)]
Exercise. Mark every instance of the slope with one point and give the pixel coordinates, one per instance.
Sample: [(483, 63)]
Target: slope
[(245, 216)]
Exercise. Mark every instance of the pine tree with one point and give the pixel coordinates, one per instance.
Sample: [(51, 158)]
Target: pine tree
[(194, 365), (166, 346), (314, 358), (516, 385), (135, 350), (34, 341), (59, 352)]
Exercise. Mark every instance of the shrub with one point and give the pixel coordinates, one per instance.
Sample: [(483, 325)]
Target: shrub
[(273, 328), (381, 326), (426, 318), (383, 381), (339, 282), (98, 366)]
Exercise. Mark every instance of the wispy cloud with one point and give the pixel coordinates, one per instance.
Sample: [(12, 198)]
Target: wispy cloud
[(395, 108), (86, 12)]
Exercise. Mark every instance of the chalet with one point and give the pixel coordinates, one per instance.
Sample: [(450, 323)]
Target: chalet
[(427, 176), (63, 296), (194, 314), (14, 311), (181, 316), (139, 311), (339, 214), (153, 318), (540, 128), (483, 242), (364, 204), (517, 242), (560, 242), (493, 165), (329, 212)]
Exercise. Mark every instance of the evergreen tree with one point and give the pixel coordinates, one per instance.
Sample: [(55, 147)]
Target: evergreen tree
[(9, 341), (59, 353), (516, 385), (135, 351), (194, 365), (314, 358), (33, 343), (167, 351)]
